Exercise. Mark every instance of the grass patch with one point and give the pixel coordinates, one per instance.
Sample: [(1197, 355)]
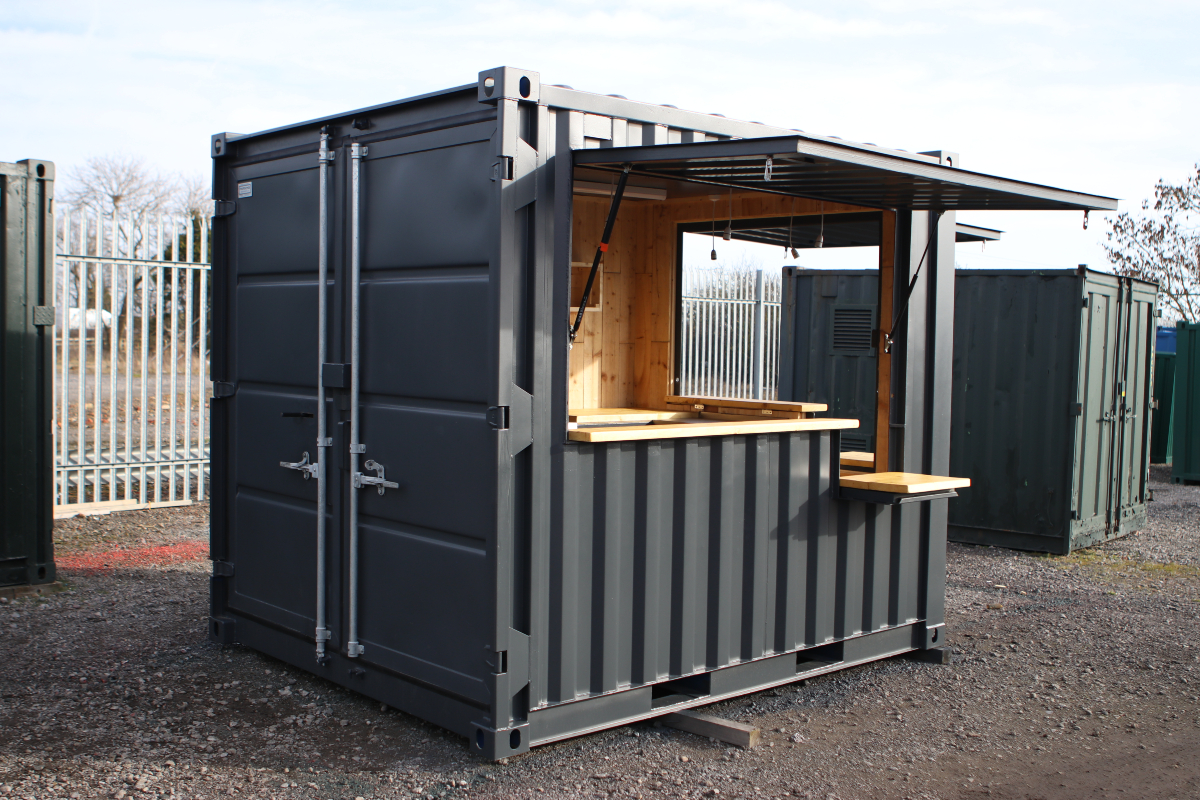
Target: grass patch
[(1115, 568)]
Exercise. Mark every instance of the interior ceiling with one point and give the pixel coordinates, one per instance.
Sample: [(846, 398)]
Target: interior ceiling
[(840, 230)]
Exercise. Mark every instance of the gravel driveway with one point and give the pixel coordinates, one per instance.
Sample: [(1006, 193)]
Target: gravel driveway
[(1072, 677)]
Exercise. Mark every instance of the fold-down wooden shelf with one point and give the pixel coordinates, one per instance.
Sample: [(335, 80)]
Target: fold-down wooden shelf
[(892, 488)]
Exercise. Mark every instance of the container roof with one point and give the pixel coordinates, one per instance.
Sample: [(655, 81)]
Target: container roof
[(802, 166)]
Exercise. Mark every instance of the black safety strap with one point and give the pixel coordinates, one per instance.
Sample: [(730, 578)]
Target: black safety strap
[(600, 251), (912, 284)]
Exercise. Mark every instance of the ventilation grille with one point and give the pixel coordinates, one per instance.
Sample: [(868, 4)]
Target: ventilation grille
[(855, 444), (852, 329)]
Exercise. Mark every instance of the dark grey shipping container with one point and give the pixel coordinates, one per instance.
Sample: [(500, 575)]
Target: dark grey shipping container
[(1029, 348), (26, 416), (475, 544), (823, 355), (1053, 374)]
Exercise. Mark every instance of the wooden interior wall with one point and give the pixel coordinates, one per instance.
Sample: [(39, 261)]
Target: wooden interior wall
[(624, 354)]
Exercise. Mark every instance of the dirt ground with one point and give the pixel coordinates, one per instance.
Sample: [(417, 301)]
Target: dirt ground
[(1072, 677)]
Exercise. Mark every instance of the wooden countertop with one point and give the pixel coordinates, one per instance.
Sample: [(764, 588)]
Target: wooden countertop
[(903, 482), (697, 426)]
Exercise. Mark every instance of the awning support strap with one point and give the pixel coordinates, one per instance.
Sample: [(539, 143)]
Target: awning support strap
[(600, 251), (888, 340)]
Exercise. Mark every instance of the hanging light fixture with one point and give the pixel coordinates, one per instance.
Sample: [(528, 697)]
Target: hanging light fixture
[(820, 242), (728, 233), (714, 199), (791, 219)]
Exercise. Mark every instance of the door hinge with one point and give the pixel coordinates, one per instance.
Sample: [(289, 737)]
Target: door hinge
[(222, 389), (503, 169), (1085, 302), (1076, 410), (222, 569), (43, 315), (224, 208), (497, 417)]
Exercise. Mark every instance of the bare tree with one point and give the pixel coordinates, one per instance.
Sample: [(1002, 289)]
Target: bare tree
[(1162, 244), (125, 189)]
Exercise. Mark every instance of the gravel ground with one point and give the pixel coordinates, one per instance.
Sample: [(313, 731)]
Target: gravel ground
[(1072, 677)]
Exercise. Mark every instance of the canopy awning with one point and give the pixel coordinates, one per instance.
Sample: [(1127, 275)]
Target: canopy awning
[(841, 173)]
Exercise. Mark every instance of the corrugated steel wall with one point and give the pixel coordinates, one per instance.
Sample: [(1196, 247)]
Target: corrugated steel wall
[(1050, 407), (811, 368), (684, 556), (1185, 464)]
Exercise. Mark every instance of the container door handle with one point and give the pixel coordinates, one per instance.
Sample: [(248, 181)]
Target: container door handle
[(302, 465), (378, 480)]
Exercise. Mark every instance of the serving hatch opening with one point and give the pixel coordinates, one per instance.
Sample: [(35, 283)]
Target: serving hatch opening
[(793, 192)]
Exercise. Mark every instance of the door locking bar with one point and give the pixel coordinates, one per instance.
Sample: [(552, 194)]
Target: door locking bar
[(362, 481), (302, 465)]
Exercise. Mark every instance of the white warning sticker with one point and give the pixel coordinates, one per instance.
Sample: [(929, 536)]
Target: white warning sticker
[(246, 189)]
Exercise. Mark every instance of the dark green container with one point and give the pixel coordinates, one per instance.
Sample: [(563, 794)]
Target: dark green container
[(1185, 456), (1162, 428), (26, 415), (1050, 408)]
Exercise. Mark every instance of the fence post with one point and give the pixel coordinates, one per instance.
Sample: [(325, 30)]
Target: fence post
[(758, 334)]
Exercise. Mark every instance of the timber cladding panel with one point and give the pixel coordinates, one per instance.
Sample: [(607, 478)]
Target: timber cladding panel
[(624, 355)]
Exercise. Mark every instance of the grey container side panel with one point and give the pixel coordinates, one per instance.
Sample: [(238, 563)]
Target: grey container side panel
[(26, 405), (681, 557), (1016, 347), (811, 369)]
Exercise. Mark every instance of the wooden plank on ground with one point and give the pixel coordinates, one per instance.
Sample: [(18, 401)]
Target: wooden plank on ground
[(903, 482), (723, 730)]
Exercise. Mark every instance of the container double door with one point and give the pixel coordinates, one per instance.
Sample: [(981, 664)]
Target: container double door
[(422, 467), (1112, 441)]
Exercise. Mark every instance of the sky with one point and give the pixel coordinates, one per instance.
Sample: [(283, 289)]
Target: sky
[(1101, 97)]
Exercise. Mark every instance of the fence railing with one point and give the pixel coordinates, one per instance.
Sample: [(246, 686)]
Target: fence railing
[(730, 332), (130, 361)]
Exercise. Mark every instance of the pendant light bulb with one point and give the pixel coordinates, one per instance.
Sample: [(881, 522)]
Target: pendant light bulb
[(795, 253), (714, 198), (727, 234)]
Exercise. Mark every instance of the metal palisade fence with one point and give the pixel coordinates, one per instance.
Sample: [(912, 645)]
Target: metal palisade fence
[(131, 380), (729, 331)]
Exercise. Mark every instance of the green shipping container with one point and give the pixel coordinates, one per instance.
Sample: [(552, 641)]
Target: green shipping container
[(1163, 425), (1185, 423), (26, 441), (1050, 409)]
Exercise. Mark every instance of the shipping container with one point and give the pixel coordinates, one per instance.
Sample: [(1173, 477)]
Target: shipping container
[(827, 334), (26, 346), (1051, 407), (452, 469), (1162, 427), (1027, 345), (1185, 438)]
